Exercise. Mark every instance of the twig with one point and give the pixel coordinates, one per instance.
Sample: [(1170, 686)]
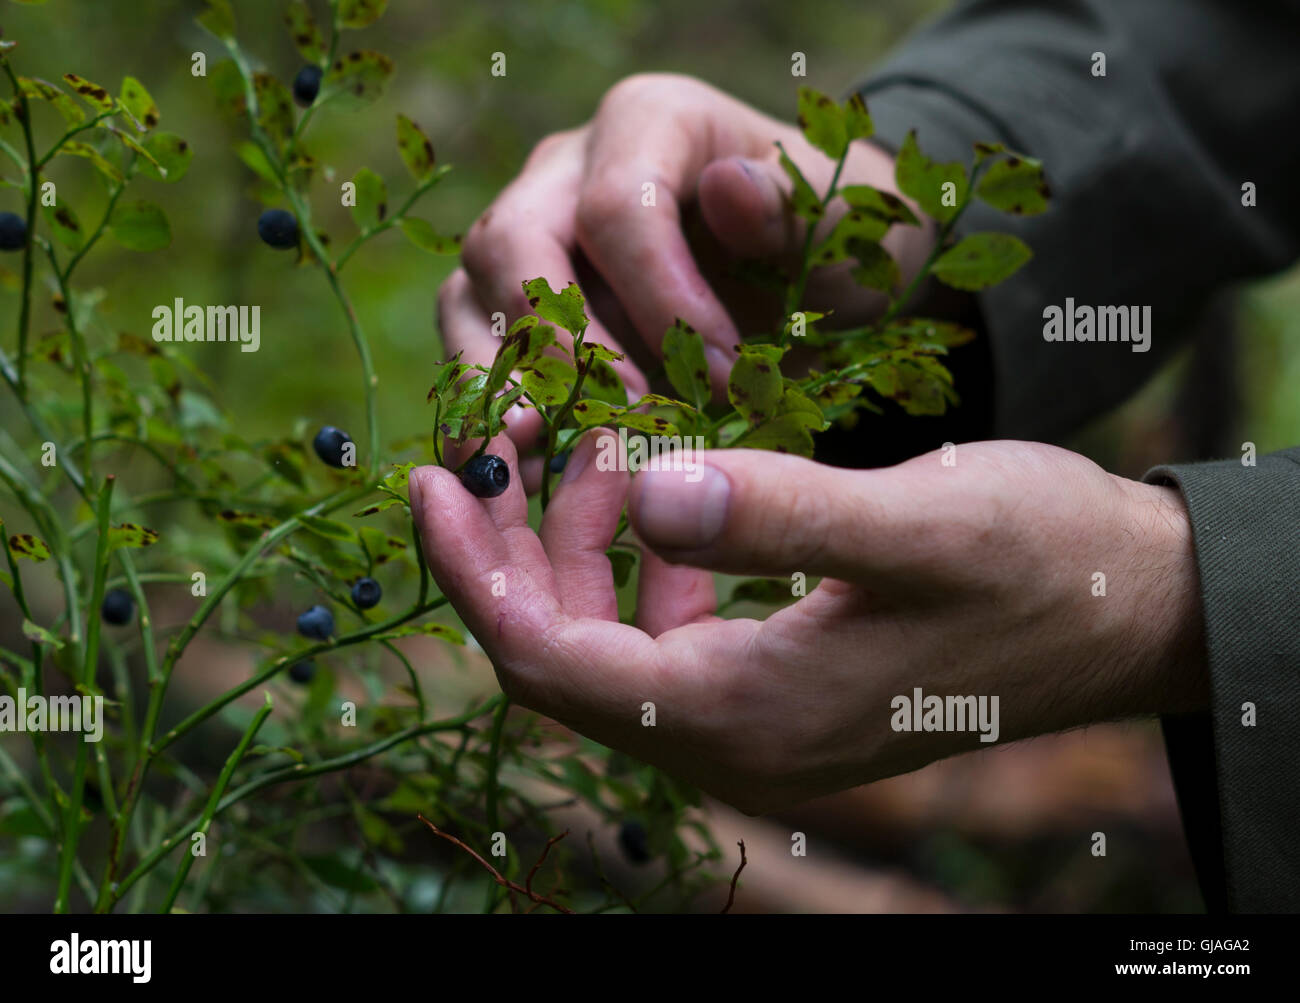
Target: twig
[(497, 876), (731, 895), (528, 884)]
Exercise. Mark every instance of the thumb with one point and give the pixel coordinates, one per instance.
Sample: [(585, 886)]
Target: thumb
[(750, 512), (745, 203)]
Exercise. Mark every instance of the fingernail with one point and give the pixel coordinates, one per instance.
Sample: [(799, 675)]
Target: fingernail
[(414, 491), (681, 510), (579, 458), (764, 185)]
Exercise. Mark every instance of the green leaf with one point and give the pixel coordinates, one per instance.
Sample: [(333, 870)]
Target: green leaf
[(415, 148), (445, 374), (372, 200), (649, 423), (133, 144), (755, 385), (426, 238), (219, 19), (924, 180), (604, 384), (359, 13), (985, 150), (64, 225), (855, 225), (34, 87), (328, 528), (18, 819), (499, 406), (685, 364), (140, 226), (228, 87), (787, 433), (621, 563), (34, 632), (981, 260), (378, 507), (762, 590), (1015, 185), (829, 126), (357, 80), (798, 405), (803, 199), (883, 204), (382, 547), (136, 99), (548, 380), (303, 30), (333, 872), (590, 413), (106, 169), (170, 152), (523, 347), (274, 107), (923, 332), (28, 547), (876, 269), (94, 95), (130, 535), (253, 157), (594, 349), (565, 308)]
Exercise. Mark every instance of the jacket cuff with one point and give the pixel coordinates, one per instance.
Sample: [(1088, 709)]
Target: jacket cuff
[(1246, 528)]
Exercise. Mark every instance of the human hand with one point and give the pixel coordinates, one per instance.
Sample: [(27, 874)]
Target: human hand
[(578, 202), (970, 579)]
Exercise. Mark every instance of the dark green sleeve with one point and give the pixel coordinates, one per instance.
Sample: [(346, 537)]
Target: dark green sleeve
[(1146, 166), (1246, 526)]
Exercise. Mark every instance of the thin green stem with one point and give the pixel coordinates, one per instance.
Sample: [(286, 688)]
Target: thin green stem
[(218, 789), (33, 182)]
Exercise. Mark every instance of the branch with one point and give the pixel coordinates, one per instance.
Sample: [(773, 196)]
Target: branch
[(504, 882), (731, 895)]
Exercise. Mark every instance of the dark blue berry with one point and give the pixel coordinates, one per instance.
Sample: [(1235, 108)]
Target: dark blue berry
[(366, 593), (301, 672), (118, 607), (632, 839), (306, 85), (317, 623), (329, 443), (558, 461), (486, 476), (278, 228), (13, 232)]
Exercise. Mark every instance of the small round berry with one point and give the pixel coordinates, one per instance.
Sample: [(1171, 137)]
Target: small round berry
[(329, 443), (558, 462), (13, 232), (302, 672), (306, 85), (118, 607), (632, 838), (278, 228), (317, 623), (486, 476), (366, 593)]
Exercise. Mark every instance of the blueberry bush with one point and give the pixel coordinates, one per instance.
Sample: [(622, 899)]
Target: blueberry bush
[(147, 819)]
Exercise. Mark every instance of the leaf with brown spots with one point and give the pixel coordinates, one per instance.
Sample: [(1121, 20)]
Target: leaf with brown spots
[(357, 80), (137, 100), (64, 225), (94, 95), (1015, 185), (28, 547), (303, 30), (130, 535), (415, 148)]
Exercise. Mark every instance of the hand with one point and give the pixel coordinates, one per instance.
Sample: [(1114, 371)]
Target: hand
[(578, 201), (972, 579)]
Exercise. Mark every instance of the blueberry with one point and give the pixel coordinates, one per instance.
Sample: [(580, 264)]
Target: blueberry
[(329, 443), (13, 232), (317, 623), (278, 228), (118, 607), (306, 85), (486, 476), (366, 593), (301, 672), (558, 461), (632, 840)]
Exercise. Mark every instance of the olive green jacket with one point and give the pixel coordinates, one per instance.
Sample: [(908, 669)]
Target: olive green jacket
[(1147, 165)]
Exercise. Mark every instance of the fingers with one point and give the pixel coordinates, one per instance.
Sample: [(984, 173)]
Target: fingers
[(579, 526), (761, 513), (745, 203), (672, 595)]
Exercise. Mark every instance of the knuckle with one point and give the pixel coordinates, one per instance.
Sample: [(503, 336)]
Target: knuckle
[(640, 87), (600, 205)]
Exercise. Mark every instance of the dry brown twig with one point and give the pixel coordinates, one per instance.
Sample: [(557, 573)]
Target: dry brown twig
[(512, 887), (731, 895)]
